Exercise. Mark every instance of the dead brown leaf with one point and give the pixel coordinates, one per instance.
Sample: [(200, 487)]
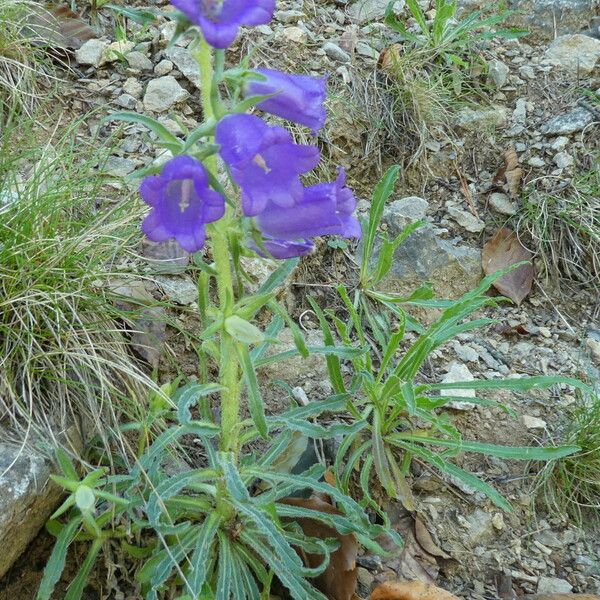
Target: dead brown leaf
[(418, 558), (425, 540), (504, 250), (338, 581), (510, 175), (410, 590), (59, 27)]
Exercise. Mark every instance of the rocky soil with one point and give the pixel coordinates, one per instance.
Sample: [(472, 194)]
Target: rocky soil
[(531, 102)]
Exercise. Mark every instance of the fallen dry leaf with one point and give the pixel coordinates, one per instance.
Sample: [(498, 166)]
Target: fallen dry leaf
[(338, 581), (59, 27), (410, 590), (510, 175), (425, 540), (418, 558), (504, 250)]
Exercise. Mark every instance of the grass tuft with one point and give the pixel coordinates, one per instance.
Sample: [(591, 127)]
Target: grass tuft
[(63, 356), (564, 225), (571, 485)]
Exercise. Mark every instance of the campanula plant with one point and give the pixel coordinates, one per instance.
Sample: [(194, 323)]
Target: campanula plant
[(229, 529), (223, 530)]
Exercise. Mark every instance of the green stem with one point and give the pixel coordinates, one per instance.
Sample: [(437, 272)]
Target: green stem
[(229, 374)]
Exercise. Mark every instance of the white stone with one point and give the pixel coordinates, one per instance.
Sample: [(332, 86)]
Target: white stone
[(553, 585), (295, 35), (163, 67), (563, 160), (139, 61), (186, 63), (459, 372), (163, 93), (503, 204), (91, 53), (498, 73), (466, 219), (363, 11), (575, 53), (533, 422), (536, 161), (116, 51), (133, 87), (560, 143)]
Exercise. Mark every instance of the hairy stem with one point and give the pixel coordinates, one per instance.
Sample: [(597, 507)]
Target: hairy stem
[(229, 375)]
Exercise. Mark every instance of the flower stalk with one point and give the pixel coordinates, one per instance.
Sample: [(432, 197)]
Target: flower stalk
[(229, 375)]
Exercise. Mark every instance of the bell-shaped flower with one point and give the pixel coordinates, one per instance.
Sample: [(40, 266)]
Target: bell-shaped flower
[(298, 98), (182, 203), (264, 161), (325, 209), (220, 20), (283, 249)]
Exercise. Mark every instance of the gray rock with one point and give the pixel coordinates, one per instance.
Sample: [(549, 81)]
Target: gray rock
[(424, 256), (459, 372), (27, 499), (91, 53), (139, 62), (127, 101), (289, 16), (163, 93), (480, 527), (552, 17), (181, 290), (412, 208), (472, 119), (570, 122), (163, 67), (563, 160), (466, 219), (498, 73), (575, 53), (116, 51), (133, 87), (165, 257), (118, 166), (553, 585), (185, 62), (334, 52), (536, 162), (502, 204), (363, 11)]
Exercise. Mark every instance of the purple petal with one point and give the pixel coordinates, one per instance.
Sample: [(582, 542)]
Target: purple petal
[(299, 98), (240, 137), (282, 249), (181, 203), (219, 34), (258, 12)]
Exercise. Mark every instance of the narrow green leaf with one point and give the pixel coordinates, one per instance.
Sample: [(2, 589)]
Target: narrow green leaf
[(153, 125), (255, 401), (56, 562), (383, 191), (519, 384), (200, 560), (243, 331), (514, 452), (77, 586)]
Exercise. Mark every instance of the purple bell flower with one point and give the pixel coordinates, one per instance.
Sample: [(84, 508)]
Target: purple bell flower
[(220, 20), (326, 209), (264, 162), (283, 249), (182, 203), (299, 98)]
